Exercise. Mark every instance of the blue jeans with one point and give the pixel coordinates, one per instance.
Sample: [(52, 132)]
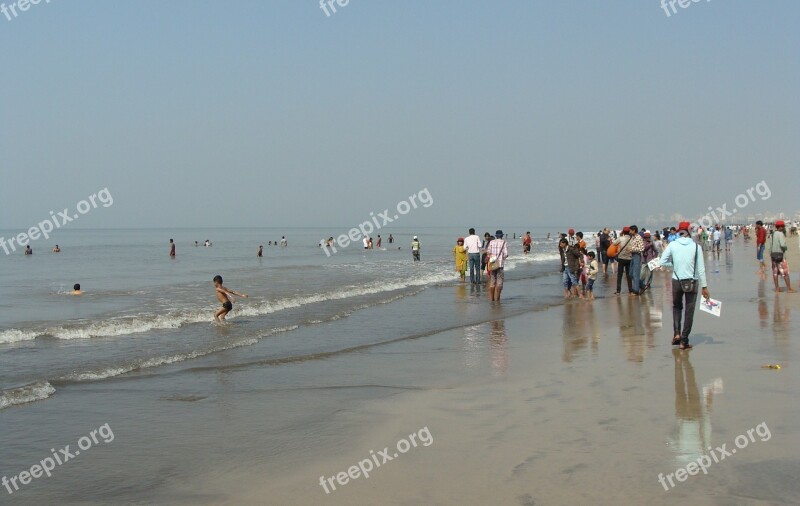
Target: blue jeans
[(569, 279), (475, 267), (636, 270)]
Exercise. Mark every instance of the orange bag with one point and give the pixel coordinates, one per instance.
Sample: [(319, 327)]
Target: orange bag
[(613, 251)]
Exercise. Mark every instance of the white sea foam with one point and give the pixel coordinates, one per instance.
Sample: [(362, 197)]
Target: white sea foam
[(15, 335), (24, 394), (138, 365), (122, 326)]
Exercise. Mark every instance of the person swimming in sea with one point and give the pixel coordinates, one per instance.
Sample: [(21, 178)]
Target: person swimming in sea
[(76, 289)]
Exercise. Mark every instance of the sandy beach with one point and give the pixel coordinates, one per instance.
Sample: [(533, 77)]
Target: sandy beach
[(580, 403), (244, 253)]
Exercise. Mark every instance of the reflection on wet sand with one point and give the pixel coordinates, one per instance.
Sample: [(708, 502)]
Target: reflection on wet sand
[(781, 325), (498, 341), (781, 316), (763, 310), (631, 328), (474, 344), (471, 345), (692, 433), (729, 263), (574, 330)]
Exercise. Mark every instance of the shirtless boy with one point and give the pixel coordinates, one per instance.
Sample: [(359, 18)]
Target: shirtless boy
[(225, 296)]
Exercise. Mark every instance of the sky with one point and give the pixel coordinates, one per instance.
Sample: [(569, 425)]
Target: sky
[(195, 113)]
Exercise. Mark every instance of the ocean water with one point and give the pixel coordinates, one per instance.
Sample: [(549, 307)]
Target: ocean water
[(186, 397), (146, 314)]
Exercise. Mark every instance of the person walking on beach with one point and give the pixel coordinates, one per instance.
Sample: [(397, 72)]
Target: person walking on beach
[(596, 239), (605, 243), (570, 267), (379, 241), (688, 274), (649, 253), (171, 248), (761, 242), (728, 238), (636, 248), (717, 235), (415, 247), (473, 245), (673, 234), (460, 256), (571, 239), (623, 259), (594, 268), (579, 242), (777, 250), (498, 252), (225, 296), (484, 253)]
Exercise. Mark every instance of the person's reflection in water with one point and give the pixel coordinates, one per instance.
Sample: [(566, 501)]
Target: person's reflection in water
[(471, 345), (594, 329), (728, 263), (781, 325), (498, 341), (692, 434), (575, 339), (763, 310), (631, 328), (652, 319)]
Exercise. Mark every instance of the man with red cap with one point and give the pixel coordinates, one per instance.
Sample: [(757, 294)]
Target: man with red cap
[(571, 239), (688, 274), (777, 251)]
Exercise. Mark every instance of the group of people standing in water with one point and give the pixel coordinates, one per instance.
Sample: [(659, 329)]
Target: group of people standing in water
[(478, 255)]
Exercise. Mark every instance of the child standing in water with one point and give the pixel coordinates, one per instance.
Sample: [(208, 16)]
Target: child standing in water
[(460, 256), (594, 268), (225, 296)]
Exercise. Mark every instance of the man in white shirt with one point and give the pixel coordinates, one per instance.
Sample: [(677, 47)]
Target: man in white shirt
[(473, 245)]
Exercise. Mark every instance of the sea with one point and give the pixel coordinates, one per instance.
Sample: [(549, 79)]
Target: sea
[(140, 351)]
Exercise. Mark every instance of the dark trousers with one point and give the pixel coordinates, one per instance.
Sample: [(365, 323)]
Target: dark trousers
[(624, 265), (678, 305)]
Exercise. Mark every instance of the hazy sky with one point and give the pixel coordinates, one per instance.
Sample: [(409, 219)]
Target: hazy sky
[(264, 113)]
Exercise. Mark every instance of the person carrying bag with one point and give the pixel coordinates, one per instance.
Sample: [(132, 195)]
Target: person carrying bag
[(688, 271)]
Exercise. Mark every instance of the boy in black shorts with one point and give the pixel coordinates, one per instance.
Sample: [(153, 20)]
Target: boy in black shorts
[(225, 296)]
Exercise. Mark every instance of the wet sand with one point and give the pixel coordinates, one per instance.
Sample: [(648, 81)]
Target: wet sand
[(583, 403)]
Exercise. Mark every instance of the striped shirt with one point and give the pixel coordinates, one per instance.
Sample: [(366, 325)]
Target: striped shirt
[(498, 248)]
